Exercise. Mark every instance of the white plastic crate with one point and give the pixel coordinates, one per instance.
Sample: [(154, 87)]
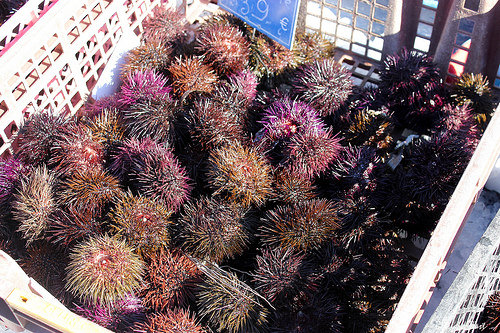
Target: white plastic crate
[(57, 57), (460, 309)]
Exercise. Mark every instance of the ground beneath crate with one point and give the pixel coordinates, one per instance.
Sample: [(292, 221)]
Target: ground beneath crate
[(484, 211)]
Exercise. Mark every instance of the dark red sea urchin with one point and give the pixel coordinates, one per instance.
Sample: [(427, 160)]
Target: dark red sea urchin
[(161, 177), (268, 57), (309, 47), (212, 125), (310, 154), (245, 83), (172, 278), (165, 25), (103, 270), (45, 263), (292, 189), (297, 139), (77, 151), (286, 118), (172, 321), (152, 119), (223, 46), (107, 128), (71, 225), (191, 75), (323, 84)]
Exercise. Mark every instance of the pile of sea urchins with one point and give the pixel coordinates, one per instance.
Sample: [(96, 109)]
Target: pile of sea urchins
[(233, 185)]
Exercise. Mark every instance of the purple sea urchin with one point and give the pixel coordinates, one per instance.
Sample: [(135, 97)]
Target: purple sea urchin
[(407, 73), (11, 173), (223, 46), (214, 230), (229, 304), (172, 321), (142, 221), (38, 135), (319, 313), (357, 166), (310, 154), (360, 224), (151, 169), (414, 89), (423, 184), (302, 227), (241, 174), (297, 138), (458, 121), (191, 75), (323, 84), (422, 109), (103, 270), (35, 204), (286, 118), (90, 191), (434, 167), (143, 86), (118, 317), (172, 278), (151, 56), (281, 275)]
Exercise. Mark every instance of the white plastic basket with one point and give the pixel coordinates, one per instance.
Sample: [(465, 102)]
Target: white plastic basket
[(461, 307)]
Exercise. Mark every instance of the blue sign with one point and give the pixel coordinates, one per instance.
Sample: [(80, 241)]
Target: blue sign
[(275, 18)]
